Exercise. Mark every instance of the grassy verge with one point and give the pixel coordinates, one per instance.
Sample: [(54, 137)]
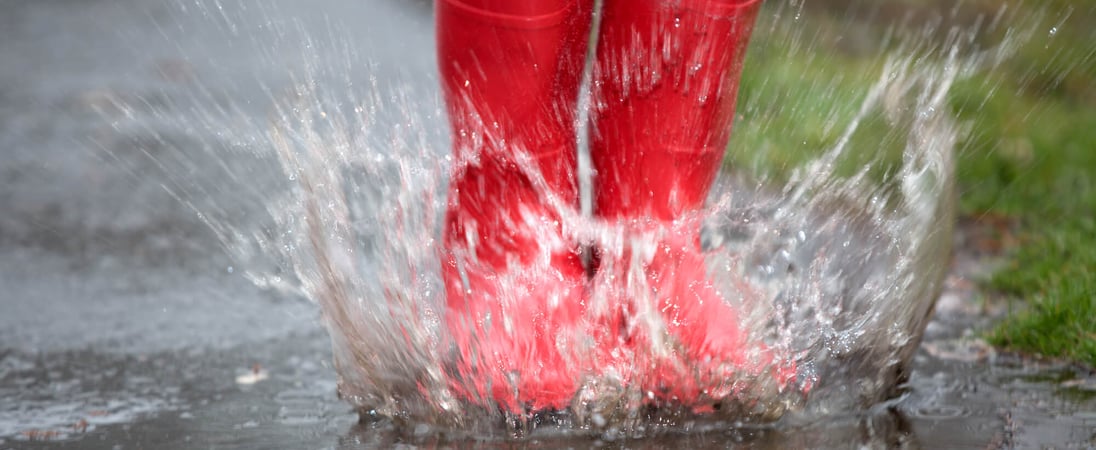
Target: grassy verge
[(1030, 158)]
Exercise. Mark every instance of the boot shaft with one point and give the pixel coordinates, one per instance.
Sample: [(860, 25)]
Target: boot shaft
[(665, 85), (510, 75)]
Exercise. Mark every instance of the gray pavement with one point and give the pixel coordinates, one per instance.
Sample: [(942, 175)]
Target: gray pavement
[(117, 302)]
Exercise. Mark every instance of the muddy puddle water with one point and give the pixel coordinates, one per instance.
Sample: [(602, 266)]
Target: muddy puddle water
[(158, 275)]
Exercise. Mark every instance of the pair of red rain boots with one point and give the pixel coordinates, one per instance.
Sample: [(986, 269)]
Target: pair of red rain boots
[(665, 82)]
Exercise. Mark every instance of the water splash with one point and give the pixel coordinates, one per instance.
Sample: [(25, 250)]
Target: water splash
[(841, 271)]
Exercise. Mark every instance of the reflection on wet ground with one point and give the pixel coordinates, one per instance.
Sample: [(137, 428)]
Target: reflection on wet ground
[(124, 325), (206, 399)]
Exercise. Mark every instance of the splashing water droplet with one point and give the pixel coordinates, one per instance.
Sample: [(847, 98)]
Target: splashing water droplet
[(833, 273)]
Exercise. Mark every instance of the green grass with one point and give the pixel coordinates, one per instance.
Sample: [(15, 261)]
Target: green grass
[(1054, 270), (797, 102), (1030, 156)]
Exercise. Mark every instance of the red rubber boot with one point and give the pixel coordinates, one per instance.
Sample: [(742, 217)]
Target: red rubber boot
[(510, 73), (666, 80)]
